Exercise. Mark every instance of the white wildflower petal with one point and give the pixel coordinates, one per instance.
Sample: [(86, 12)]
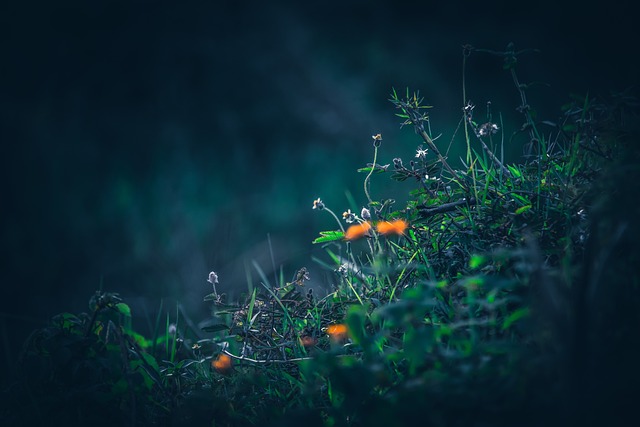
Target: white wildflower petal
[(213, 278), (365, 214)]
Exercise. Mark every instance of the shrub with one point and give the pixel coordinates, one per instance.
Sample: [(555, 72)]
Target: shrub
[(497, 295)]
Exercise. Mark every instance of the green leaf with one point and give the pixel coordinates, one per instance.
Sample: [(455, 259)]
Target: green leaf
[(335, 258), (522, 209), (476, 261), (398, 176), (124, 309), (515, 316), (138, 365), (251, 305), (356, 317), (139, 339), (67, 320), (211, 297), (515, 171), (376, 169), (329, 236), (521, 199), (149, 366)]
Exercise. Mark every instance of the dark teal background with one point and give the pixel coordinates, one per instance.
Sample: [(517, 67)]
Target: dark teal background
[(145, 143)]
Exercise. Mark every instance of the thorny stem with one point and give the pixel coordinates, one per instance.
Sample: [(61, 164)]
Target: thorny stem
[(523, 105)]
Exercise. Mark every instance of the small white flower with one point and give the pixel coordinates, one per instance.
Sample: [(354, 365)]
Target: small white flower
[(421, 154), (317, 204), (469, 107), (343, 270), (172, 329), (213, 278), (349, 216), (487, 129)]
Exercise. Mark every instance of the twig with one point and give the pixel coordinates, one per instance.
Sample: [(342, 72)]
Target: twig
[(426, 211), (264, 362), (423, 134)]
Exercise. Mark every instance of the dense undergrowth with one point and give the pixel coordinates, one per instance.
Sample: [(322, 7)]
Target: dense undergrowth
[(500, 294)]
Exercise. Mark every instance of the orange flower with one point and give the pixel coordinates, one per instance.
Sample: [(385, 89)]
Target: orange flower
[(396, 227), (357, 231), (222, 364), (337, 332)]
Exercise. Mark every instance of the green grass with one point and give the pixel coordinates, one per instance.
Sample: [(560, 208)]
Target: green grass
[(497, 295)]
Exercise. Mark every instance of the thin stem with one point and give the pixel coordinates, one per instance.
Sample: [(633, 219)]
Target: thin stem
[(336, 218), (447, 207), (366, 180), (442, 160), (276, 361), (533, 131), (464, 102), (465, 53)]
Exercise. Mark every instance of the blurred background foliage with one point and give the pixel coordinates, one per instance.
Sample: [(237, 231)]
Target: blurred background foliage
[(147, 143)]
